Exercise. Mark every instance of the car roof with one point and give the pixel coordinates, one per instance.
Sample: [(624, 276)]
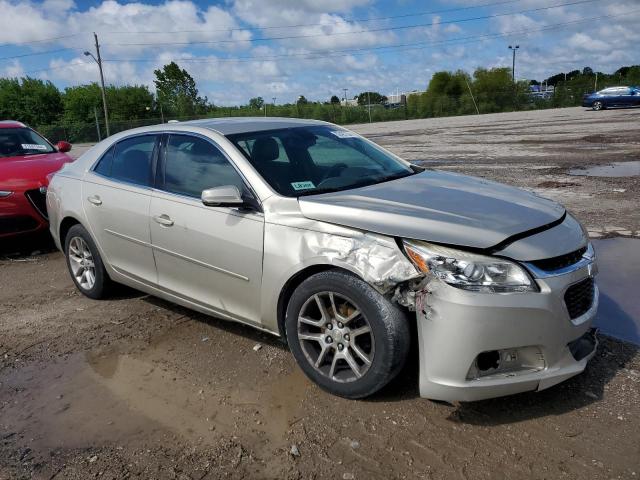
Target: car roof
[(11, 124), (232, 125)]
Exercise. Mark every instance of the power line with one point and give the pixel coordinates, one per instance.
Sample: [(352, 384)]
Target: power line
[(353, 19), (347, 19), (22, 55), (59, 67), (372, 30), (42, 40), (363, 50)]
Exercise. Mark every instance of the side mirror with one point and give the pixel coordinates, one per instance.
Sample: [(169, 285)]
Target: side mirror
[(63, 146), (225, 196)]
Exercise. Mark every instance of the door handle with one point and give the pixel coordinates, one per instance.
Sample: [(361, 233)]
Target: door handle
[(163, 220), (95, 199)]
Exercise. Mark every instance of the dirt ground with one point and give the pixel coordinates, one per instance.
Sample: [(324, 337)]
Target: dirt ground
[(135, 387)]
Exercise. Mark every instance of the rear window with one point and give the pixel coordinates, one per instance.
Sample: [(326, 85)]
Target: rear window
[(22, 141)]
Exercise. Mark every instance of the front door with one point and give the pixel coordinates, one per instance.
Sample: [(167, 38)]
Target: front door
[(208, 255), (116, 197)]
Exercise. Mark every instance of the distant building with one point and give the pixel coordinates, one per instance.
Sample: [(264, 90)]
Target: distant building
[(349, 102)]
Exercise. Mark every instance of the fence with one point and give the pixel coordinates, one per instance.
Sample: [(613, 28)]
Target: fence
[(423, 105)]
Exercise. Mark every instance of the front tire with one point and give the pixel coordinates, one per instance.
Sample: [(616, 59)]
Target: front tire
[(85, 264), (346, 337), (597, 105)]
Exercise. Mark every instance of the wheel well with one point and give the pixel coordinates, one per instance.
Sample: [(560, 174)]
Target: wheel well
[(65, 225), (290, 287)]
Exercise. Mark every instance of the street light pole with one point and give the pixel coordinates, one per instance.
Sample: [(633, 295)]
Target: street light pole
[(513, 65), (345, 96), (98, 60)]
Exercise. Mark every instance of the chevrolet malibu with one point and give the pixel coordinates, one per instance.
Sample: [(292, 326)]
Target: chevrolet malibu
[(349, 253)]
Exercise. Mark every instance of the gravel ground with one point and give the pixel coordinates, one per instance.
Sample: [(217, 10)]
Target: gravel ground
[(135, 387)]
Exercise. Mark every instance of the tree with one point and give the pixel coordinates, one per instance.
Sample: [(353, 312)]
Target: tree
[(125, 103), (302, 100), (80, 102), (30, 100), (177, 91), (587, 71), (256, 103), (334, 100), (374, 97)]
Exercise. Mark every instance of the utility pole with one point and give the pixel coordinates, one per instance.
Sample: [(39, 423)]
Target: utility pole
[(95, 112), (595, 87), (369, 102), (345, 96), (98, 60), (513, 65)]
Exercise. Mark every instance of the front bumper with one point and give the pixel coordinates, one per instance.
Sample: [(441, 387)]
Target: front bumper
[(456, 326), (19, 215)]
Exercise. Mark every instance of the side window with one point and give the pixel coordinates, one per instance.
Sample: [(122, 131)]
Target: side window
[(193, 165), (132, 160), (104, 164)]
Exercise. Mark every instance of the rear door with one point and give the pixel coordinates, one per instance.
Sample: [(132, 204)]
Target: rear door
[(211, 256), (117, 196)]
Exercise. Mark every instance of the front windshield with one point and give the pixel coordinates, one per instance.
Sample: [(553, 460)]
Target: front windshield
[(22, 141), (317, 159)]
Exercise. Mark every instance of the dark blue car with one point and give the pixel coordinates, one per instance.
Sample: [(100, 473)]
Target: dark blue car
[(613, 97)]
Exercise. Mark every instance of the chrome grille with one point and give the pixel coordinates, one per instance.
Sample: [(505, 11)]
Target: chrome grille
[(562, 261)]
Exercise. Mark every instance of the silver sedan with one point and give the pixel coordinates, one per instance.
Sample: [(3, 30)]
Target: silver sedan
[(349, 253)]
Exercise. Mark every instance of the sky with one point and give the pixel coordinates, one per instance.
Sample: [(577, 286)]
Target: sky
[(238, 49)]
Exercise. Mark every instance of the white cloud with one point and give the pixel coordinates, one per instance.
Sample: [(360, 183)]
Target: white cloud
[(583, 41), (13, 70), (516, 23), (286, 68), (24, 22)]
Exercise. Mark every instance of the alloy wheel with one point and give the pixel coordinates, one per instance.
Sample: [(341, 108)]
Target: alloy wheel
[(597, 105), (82, 264), (335, 337)]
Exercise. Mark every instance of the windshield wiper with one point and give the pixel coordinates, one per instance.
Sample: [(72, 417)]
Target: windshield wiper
[(365, 183)]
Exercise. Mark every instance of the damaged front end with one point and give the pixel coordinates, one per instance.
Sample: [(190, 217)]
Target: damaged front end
[(488, 328)]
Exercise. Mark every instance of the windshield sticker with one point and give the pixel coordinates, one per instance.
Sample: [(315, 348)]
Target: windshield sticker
[(33, 146), (344, 134), (302, 185)]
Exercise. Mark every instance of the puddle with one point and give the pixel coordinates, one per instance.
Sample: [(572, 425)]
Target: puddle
[(104, 397), (615, 169), (619, 267)]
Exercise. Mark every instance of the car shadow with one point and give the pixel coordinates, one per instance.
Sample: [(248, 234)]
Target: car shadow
[(574, 394), (25, 246), (236, 328)]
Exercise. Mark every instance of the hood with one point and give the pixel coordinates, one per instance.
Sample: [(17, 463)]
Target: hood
[(30, 171), (438, 207)]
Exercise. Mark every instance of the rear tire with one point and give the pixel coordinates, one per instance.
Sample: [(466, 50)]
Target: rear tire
[(85, 264), (354, 345), (597, 105)]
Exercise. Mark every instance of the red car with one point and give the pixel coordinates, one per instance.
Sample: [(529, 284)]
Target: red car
[(26, 160)]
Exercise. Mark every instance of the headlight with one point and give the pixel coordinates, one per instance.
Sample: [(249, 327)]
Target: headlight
[(467, 270), (5, 193)]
